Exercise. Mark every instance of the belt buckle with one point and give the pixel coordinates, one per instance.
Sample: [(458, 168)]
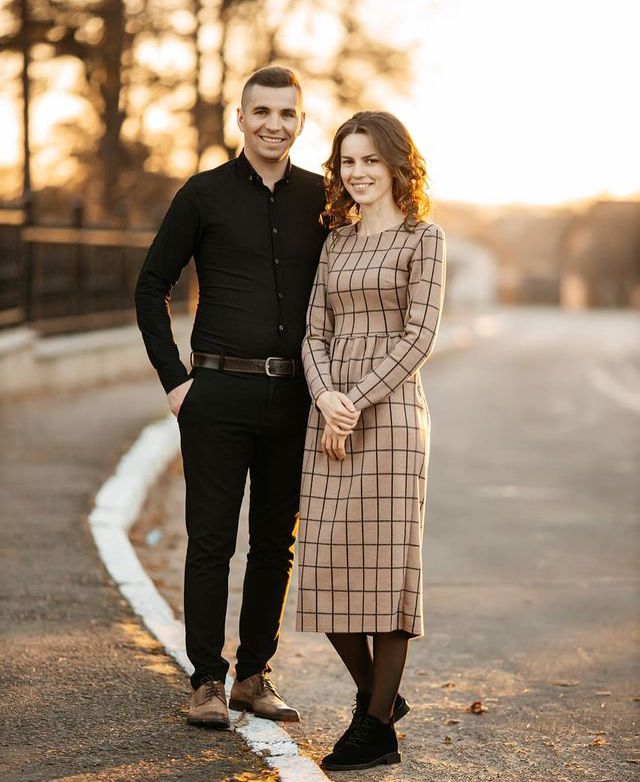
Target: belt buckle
[(268, 369)]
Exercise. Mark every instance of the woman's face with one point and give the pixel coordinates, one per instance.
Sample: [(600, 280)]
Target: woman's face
[(365, 176)]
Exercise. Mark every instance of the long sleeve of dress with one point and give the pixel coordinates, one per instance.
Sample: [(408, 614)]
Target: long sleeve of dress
[(320, 321), (169, 253), (422, 317)]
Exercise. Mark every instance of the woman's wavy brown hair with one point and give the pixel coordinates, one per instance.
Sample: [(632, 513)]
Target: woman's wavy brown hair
[(397, 150)]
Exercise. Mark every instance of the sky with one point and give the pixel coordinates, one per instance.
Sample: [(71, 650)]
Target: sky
[(518, 101), (510, 100)]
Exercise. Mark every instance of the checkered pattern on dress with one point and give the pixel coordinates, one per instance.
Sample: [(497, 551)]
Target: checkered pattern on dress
[(371, 324)]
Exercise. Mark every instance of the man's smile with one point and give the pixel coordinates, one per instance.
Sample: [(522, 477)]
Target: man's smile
[(272, 139)]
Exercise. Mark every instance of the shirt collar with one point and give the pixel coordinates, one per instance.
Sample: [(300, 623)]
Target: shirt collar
[(248, 171)]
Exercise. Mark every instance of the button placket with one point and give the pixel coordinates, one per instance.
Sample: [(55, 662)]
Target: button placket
[(276, 263)]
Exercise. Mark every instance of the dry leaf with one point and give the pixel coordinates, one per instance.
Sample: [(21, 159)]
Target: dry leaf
[(241, 722), (447, 739), (452, 722), (476, 707), (604, 692), (563, 683), (448, 684), (597, 732), (598, 742)]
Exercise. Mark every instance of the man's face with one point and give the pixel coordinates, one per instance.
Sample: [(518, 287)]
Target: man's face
[(271, 119)]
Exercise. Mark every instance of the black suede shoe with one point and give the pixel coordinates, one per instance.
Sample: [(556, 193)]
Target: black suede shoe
[(370, 743), (400, 709)]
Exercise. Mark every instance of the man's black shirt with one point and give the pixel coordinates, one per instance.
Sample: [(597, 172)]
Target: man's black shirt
[(256, 255)]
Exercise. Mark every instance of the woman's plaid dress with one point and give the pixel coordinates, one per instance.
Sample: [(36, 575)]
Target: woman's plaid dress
[(371, 325)]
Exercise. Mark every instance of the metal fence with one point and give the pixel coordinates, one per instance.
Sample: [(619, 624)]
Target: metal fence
[(63, 280), (13, 294)]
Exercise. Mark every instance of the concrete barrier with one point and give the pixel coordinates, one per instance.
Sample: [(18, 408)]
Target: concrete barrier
[(31, 364)]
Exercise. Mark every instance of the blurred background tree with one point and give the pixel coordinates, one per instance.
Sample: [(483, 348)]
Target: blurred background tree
[(128, 96)]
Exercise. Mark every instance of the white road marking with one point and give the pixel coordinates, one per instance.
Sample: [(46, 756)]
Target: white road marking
[(612, 388), (117, 505)]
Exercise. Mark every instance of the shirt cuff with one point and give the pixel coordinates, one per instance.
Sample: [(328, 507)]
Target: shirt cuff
[(172, 377)]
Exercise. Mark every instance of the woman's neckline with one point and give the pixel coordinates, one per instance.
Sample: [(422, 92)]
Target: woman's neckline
[(376, 233)]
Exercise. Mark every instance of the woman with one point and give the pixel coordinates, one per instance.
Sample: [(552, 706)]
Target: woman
[(371, 325)]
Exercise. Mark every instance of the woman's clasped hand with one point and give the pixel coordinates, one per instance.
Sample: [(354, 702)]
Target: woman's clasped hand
[(340, 417)]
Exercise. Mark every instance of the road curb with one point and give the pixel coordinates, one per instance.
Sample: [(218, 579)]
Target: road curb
[(118, 504)]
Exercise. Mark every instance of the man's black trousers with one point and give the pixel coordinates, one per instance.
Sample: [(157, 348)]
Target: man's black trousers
[(231, 423)]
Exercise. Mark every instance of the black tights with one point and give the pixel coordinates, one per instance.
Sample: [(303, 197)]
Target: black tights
[(379, 674)]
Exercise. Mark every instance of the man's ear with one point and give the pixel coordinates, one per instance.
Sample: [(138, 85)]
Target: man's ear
[(240, 118), (303, 117)]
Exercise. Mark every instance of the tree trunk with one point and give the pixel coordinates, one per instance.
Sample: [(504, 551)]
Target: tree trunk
[(26, 99), (113, 14)]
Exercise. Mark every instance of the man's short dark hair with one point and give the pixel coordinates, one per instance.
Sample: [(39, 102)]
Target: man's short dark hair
[(272, 76)]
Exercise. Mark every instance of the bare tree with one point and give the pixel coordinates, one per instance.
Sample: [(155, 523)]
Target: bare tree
[(95, 34), (250, 34), (347, 72)]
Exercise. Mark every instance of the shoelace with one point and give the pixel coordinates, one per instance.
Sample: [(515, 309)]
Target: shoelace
[(359, 709), (214, 689), (359, 733), (266, 681)]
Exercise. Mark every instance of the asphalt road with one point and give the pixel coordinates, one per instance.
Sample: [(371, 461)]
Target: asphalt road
[(86, 695), (532, 545)]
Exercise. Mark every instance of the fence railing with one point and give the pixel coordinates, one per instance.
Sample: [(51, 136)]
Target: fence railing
[(12, 268), (62, 280)]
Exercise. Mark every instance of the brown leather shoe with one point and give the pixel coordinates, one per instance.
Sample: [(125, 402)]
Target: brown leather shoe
[(259, 695), (209, 705)]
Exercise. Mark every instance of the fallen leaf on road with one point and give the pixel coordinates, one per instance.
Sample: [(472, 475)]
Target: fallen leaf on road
[(604, 692), (447, 739), (598, 742), (452, 722), (637, 762), (476, 707), (244, 720), (598, 732), (448, 684), (563, 683)]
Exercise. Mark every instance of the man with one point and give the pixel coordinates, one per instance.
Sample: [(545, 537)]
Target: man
[(253, 227)]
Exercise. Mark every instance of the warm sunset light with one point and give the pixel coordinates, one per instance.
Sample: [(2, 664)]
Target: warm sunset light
[(530, 102), (524, 102), (312, 474), (509, 102)]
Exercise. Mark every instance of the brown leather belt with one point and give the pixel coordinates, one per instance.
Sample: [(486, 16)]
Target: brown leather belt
[(272, 366)]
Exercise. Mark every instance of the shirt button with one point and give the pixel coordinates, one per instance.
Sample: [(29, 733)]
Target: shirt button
[(250, 177), (276, 261), (281, 295), (272, 199), (275, 230), (281, 327)]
